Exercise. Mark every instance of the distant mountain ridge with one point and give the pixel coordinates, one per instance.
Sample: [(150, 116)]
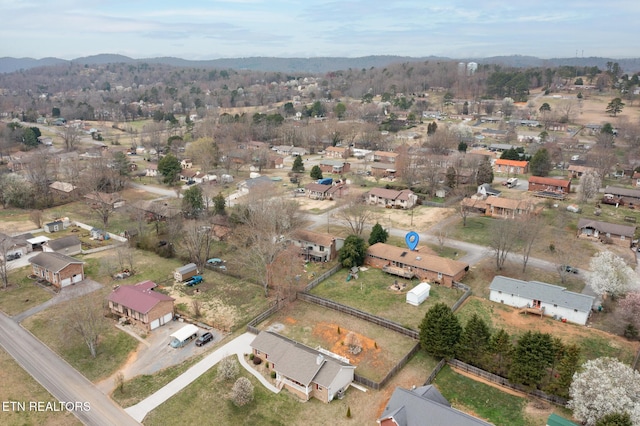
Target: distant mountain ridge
[(315, 65)]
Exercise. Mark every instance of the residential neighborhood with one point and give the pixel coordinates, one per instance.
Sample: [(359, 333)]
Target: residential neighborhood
[(212, 246)]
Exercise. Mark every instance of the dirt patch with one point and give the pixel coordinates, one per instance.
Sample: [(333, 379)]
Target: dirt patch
[(290, 320), (420, 218), (538, 409), (338, 339)]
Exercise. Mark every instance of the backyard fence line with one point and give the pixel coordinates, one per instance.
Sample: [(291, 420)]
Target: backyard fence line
[(467, 293), (435, 372), (379, 385), (358, 314), (494, 378), (322, 277), (251, 327), (103, 248), (447, 203)]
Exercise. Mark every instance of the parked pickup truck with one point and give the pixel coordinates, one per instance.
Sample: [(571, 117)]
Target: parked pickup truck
[(194, 280)]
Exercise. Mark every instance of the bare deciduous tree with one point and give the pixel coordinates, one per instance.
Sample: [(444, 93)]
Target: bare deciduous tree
[(85, 318), (354, 213), (196, 240), (71, 136), (504, 237), (267, 220), (529, 230)]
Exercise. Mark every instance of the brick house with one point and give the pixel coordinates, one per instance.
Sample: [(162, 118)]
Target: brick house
[(391, 198), (303, 371), (512, 167), (508, 208), (337, 152), (547, 184), (412, 263), (334, 166), (620, 235), (317, 191), (58, 269), (315, 246), (140, 304), (385, 157)]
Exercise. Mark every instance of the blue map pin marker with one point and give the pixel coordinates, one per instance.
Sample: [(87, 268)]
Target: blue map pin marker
[(412, 239)]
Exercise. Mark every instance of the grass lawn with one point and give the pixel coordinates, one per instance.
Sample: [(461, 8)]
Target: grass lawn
[(22, 293), (113, 348), (371, 293), (592, 342), (316, 326), (207, 402), (480, 276), (140, 387), (228, 303), (18, 385), (493, 404), (482, 400)]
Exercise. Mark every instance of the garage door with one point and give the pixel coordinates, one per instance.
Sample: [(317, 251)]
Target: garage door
[(77, 278), (66, 282), (168, 317), (155, 324)]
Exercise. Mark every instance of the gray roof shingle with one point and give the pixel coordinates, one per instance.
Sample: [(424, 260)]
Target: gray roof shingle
[(547, 293)]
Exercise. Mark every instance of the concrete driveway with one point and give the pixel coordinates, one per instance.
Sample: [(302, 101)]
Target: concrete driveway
[(154, 353)]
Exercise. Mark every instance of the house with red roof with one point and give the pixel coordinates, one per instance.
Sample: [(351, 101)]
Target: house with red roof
[(512, 167), (548, 184), (141, 305)]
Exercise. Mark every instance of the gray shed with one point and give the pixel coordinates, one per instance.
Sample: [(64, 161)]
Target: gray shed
[(185, 272)]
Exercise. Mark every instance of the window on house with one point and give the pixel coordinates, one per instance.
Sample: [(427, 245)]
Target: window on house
[(439, 275), (321, 248), (318, 387), (575, 310), (555, 306), (622, 237)]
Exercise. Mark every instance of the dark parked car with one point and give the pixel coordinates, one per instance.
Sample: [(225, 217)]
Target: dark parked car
[(571, 269), (204, 339), (14, 256)]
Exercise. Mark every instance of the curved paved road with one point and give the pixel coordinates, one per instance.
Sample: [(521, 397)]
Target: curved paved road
[(58, 377)]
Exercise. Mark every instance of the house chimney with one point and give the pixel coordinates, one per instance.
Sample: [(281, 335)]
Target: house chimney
[(319, 359)]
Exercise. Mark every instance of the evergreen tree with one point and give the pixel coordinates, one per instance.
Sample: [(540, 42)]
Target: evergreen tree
[(533, 355), (353, 251), (540, 164), (169, 167), (485, 173), (298, 165), (568, 366), (500, 352), (378, 234), (510, 154), (473, 346), (451, 177), (440, 331), (219, 204), (462, 146), (192, 201), (316, 172)]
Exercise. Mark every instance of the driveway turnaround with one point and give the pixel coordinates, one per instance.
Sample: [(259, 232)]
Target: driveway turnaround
[(62, 381), (239, 346)]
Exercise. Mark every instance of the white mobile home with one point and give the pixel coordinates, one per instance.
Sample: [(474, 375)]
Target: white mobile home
[(418, 294), (551, 300)]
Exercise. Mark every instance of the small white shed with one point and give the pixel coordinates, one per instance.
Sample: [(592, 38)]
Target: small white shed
[(418, 294)]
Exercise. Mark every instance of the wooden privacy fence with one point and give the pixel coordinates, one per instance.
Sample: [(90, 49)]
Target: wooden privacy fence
[(322, 277), (493, 378), (435, 372), (467, 293), (379, 385)]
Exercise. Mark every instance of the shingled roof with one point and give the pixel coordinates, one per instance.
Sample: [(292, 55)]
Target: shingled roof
[(417, 259), (53, 261), (297, 361), (64, 242), (139, 297), (607, 228)]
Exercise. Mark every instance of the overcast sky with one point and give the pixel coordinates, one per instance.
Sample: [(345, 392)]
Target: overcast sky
[(200, 29)]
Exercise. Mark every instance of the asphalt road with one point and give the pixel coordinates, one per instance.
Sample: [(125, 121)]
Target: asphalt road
[(59, 378)]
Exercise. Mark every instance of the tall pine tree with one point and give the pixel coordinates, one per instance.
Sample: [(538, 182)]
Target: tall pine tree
[(440, 331), (473, 346), (534, 353), (500, 353)]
